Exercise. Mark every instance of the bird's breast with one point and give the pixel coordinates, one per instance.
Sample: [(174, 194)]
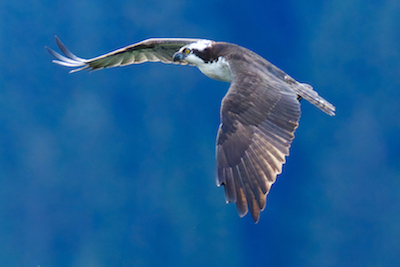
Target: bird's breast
[(218, 70)]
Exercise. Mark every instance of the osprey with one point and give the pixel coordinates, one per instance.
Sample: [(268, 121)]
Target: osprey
[(259, 113)]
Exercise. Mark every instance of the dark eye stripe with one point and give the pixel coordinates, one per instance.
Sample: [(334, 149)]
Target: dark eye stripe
[(207, 55)]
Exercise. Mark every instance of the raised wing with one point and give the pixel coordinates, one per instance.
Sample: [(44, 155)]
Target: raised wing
[(259, 115), (154, 49)]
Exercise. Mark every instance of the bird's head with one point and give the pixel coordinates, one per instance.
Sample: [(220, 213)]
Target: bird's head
[(196, 53), (205, 55)]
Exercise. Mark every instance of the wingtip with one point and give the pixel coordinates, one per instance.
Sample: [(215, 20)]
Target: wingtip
[(57, 39), (255, 216), (331, 111), (68, 59), (47, 48)]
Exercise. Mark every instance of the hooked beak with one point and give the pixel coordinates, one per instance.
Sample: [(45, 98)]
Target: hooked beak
[(178, 56)]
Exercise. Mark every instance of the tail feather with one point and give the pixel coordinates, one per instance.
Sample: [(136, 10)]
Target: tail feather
[(306, 91)]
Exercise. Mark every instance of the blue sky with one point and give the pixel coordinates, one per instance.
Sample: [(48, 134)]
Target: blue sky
[(117, 167)]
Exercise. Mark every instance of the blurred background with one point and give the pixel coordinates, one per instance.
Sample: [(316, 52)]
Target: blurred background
[(117, 167)]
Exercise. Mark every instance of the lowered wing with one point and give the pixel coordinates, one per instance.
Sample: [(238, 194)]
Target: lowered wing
[(259, 116), (154, 49)]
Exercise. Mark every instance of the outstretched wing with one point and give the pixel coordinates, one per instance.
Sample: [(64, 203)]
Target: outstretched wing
[(154, 49), (259, 115)]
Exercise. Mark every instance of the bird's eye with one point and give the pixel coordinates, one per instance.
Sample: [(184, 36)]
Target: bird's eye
[(186, 51)]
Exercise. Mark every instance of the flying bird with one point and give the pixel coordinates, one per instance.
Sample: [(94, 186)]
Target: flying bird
[(259, 113)]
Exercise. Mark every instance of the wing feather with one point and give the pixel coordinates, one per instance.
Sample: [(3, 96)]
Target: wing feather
[(259, 115), (241, 200), (152, 50)]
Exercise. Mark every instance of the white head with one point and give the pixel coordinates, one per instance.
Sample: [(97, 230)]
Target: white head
[(191, 52), (200, 45), (203, 55)]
